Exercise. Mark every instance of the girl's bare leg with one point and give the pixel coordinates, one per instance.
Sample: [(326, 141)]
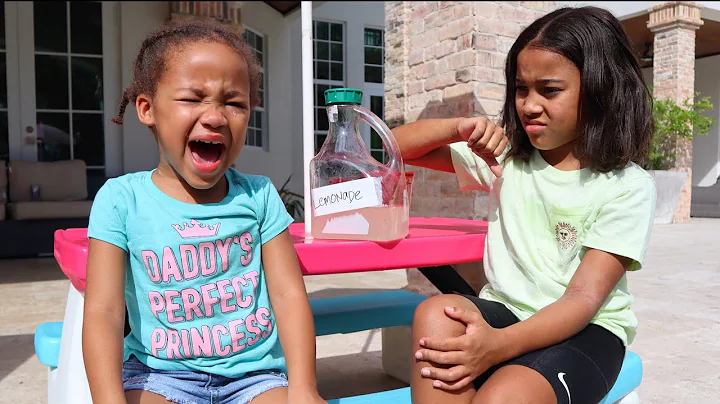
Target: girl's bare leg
[(430, 321)]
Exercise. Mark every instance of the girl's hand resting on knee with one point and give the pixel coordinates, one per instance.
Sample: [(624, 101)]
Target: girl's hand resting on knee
[(485, 139), (460, 360)]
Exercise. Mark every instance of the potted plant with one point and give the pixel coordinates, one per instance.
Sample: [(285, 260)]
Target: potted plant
[(673, 121), (293, 202)]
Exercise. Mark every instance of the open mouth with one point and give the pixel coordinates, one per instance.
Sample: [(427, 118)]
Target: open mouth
[(206, 155)]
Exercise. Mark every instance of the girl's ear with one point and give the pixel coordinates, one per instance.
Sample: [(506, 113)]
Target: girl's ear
[(143, 106)]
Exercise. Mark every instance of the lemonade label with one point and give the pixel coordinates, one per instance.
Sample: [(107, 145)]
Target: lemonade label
[(345, 196)]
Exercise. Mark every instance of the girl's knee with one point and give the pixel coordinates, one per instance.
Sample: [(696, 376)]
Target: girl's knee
[(430, 315)]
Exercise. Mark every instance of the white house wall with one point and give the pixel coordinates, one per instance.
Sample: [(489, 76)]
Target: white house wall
[(356, 16), (276, 160), (706, 149), (112, 84), (137, 19)]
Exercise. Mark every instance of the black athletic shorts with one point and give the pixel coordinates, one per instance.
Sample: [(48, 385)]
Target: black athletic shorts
[(581, 370)]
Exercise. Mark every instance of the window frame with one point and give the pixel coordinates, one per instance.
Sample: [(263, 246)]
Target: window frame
[(263, 108), (319, 104)]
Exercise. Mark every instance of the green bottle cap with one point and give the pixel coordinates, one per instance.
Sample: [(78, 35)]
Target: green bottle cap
[(343, 96)]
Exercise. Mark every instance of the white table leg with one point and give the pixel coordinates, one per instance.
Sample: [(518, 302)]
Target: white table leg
[(68, 383)]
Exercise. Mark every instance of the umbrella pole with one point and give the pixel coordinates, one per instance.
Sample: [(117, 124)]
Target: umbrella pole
[(307, 107)]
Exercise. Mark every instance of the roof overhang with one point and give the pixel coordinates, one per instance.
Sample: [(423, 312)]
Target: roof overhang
[(707, 38)]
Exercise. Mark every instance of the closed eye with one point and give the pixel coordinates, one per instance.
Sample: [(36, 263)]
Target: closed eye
[(552, 90), (240, 105)]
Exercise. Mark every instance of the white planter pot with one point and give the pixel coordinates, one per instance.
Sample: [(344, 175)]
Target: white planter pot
[(669, 186)]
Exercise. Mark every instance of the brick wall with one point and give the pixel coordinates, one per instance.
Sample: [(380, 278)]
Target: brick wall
[(446, 59), (674, 25)]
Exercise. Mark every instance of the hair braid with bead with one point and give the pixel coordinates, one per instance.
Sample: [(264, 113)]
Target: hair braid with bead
[(151, 60)]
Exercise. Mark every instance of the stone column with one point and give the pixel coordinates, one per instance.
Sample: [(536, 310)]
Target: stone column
[(227, 12), (674, 24), (446, 59)]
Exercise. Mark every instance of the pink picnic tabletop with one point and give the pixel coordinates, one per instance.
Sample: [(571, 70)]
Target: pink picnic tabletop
[(431, 242)]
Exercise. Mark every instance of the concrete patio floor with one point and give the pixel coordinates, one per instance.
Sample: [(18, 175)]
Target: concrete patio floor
[(677, 302)]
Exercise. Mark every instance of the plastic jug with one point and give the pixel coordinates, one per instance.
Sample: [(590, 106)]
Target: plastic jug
[(355, 197)]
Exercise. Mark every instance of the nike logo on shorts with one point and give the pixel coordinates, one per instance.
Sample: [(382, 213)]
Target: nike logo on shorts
[(561, 376)]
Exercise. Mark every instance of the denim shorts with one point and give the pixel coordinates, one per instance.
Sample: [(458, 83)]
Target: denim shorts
[(189, 387)]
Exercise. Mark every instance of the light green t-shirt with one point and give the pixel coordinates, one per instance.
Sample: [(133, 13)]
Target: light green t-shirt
[(542, 221)]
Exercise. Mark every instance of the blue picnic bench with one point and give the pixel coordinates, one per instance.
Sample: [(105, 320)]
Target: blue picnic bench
[(348, 314)]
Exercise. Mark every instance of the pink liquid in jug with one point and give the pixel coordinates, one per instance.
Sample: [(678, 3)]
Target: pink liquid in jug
[(379, 223)]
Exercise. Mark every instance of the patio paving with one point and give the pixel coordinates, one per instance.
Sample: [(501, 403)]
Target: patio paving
[(676, 302)]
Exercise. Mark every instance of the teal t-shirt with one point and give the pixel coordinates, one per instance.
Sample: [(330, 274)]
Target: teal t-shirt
[(194, 283)]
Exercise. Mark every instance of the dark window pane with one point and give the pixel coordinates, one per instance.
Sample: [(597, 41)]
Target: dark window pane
[(87, 83), (259, 43), (322, 30), (89, 139), (320, 94), (53, 136), (258, 137), (259, 57), (50, 21), (375, 141), (4, 144), (373, 74), (377, 155), (373, 37), (376, 105), (323, 70), (323, 51), (261, 94), (258, 119), (322, 119), (51, 81), (336, 32), (373, 56), (336, 52), (319, 140), (250, 38), (2, 25), (336, 71), (86, 27), (251, 123), (3, 80)]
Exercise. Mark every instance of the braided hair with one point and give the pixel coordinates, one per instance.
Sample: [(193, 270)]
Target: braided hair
[(151, 60)]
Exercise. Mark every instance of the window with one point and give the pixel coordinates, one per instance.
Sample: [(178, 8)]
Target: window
[(377, 148), (328, 70), (374, 55), (4, 144), (257, 126), (69, 83)]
